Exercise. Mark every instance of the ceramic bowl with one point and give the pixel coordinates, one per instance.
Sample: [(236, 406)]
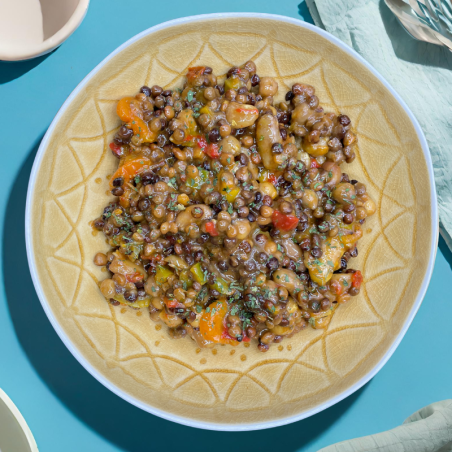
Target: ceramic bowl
[(232, 388), (58, 18), (15, 436)]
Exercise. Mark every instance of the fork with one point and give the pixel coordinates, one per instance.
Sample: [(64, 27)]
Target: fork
[(425, 20)]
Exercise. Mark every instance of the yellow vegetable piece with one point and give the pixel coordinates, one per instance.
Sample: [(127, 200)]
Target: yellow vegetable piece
[(233, 82), (140, 303), (206, 111), (321, 269), (320, 320), (316, 149), (186, 280), (197, 182), (198, 274), (190, 127), (162, 274), (230, 196), (221, 286)]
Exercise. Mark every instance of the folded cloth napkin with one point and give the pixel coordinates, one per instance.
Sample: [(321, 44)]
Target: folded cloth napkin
[(427, 430), (420, 72)]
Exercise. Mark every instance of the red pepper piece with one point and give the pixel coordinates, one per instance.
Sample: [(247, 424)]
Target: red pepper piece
[(195, 72), (284, 222), (315, 164), (202, 142), (115, 149), (212, 150), (357, 279), (211, 228)]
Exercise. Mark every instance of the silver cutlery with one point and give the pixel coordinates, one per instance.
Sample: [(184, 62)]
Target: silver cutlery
[(425, 20)]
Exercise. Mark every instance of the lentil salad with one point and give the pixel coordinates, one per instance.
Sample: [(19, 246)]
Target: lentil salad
[(233, 219)]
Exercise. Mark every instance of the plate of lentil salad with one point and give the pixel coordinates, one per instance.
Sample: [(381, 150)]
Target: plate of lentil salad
[(233, 219), (231, 387)]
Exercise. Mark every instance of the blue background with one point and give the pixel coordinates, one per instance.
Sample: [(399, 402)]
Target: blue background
[(66, 408)]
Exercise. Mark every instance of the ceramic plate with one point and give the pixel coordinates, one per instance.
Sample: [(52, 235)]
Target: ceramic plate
[(232, 388)]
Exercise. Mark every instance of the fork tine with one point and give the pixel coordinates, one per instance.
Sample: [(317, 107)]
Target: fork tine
[(432, 10), (446, 8), (415, 5)]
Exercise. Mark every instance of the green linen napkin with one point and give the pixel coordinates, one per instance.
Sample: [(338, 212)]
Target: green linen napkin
[(420, 72), (427, 430)]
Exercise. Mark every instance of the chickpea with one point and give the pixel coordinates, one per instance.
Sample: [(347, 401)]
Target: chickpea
[(345, 193), (159, 212), (234, 331), (169, 112), (107, 287), (161, 187), (267, 337), (100, 259), (222, 225), (225, 130), (192, 171), (247, 141), (119, 279), (268, 86), (310, 199), (226, 158), (157, 303), (178, 135), (210, 94), (271, 247), (138, 237), (370, 207), (266, 211), (183, 199), (243, 228), (231, 231), (361, 213)]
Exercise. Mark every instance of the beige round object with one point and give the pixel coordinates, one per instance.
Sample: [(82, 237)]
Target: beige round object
[(15, 435), (31, 28), (233, 388)]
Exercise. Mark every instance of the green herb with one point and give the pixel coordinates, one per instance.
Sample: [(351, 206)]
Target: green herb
[(280, 248), (261, 138), (230, 209), (312, 321), (173, 183), (190, 96)]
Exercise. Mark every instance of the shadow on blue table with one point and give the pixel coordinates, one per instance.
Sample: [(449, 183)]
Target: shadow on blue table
[(119, 422), (10, 70)]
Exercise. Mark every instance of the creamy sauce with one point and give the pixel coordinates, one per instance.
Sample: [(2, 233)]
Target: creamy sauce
[(21, 24)]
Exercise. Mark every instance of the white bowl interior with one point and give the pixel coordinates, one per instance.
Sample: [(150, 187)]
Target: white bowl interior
[(30, 28)]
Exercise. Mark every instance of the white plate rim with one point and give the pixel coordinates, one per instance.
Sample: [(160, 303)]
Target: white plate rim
[(193, 422), (20, 420)]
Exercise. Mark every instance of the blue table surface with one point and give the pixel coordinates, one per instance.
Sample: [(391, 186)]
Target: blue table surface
[(66, 408)]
